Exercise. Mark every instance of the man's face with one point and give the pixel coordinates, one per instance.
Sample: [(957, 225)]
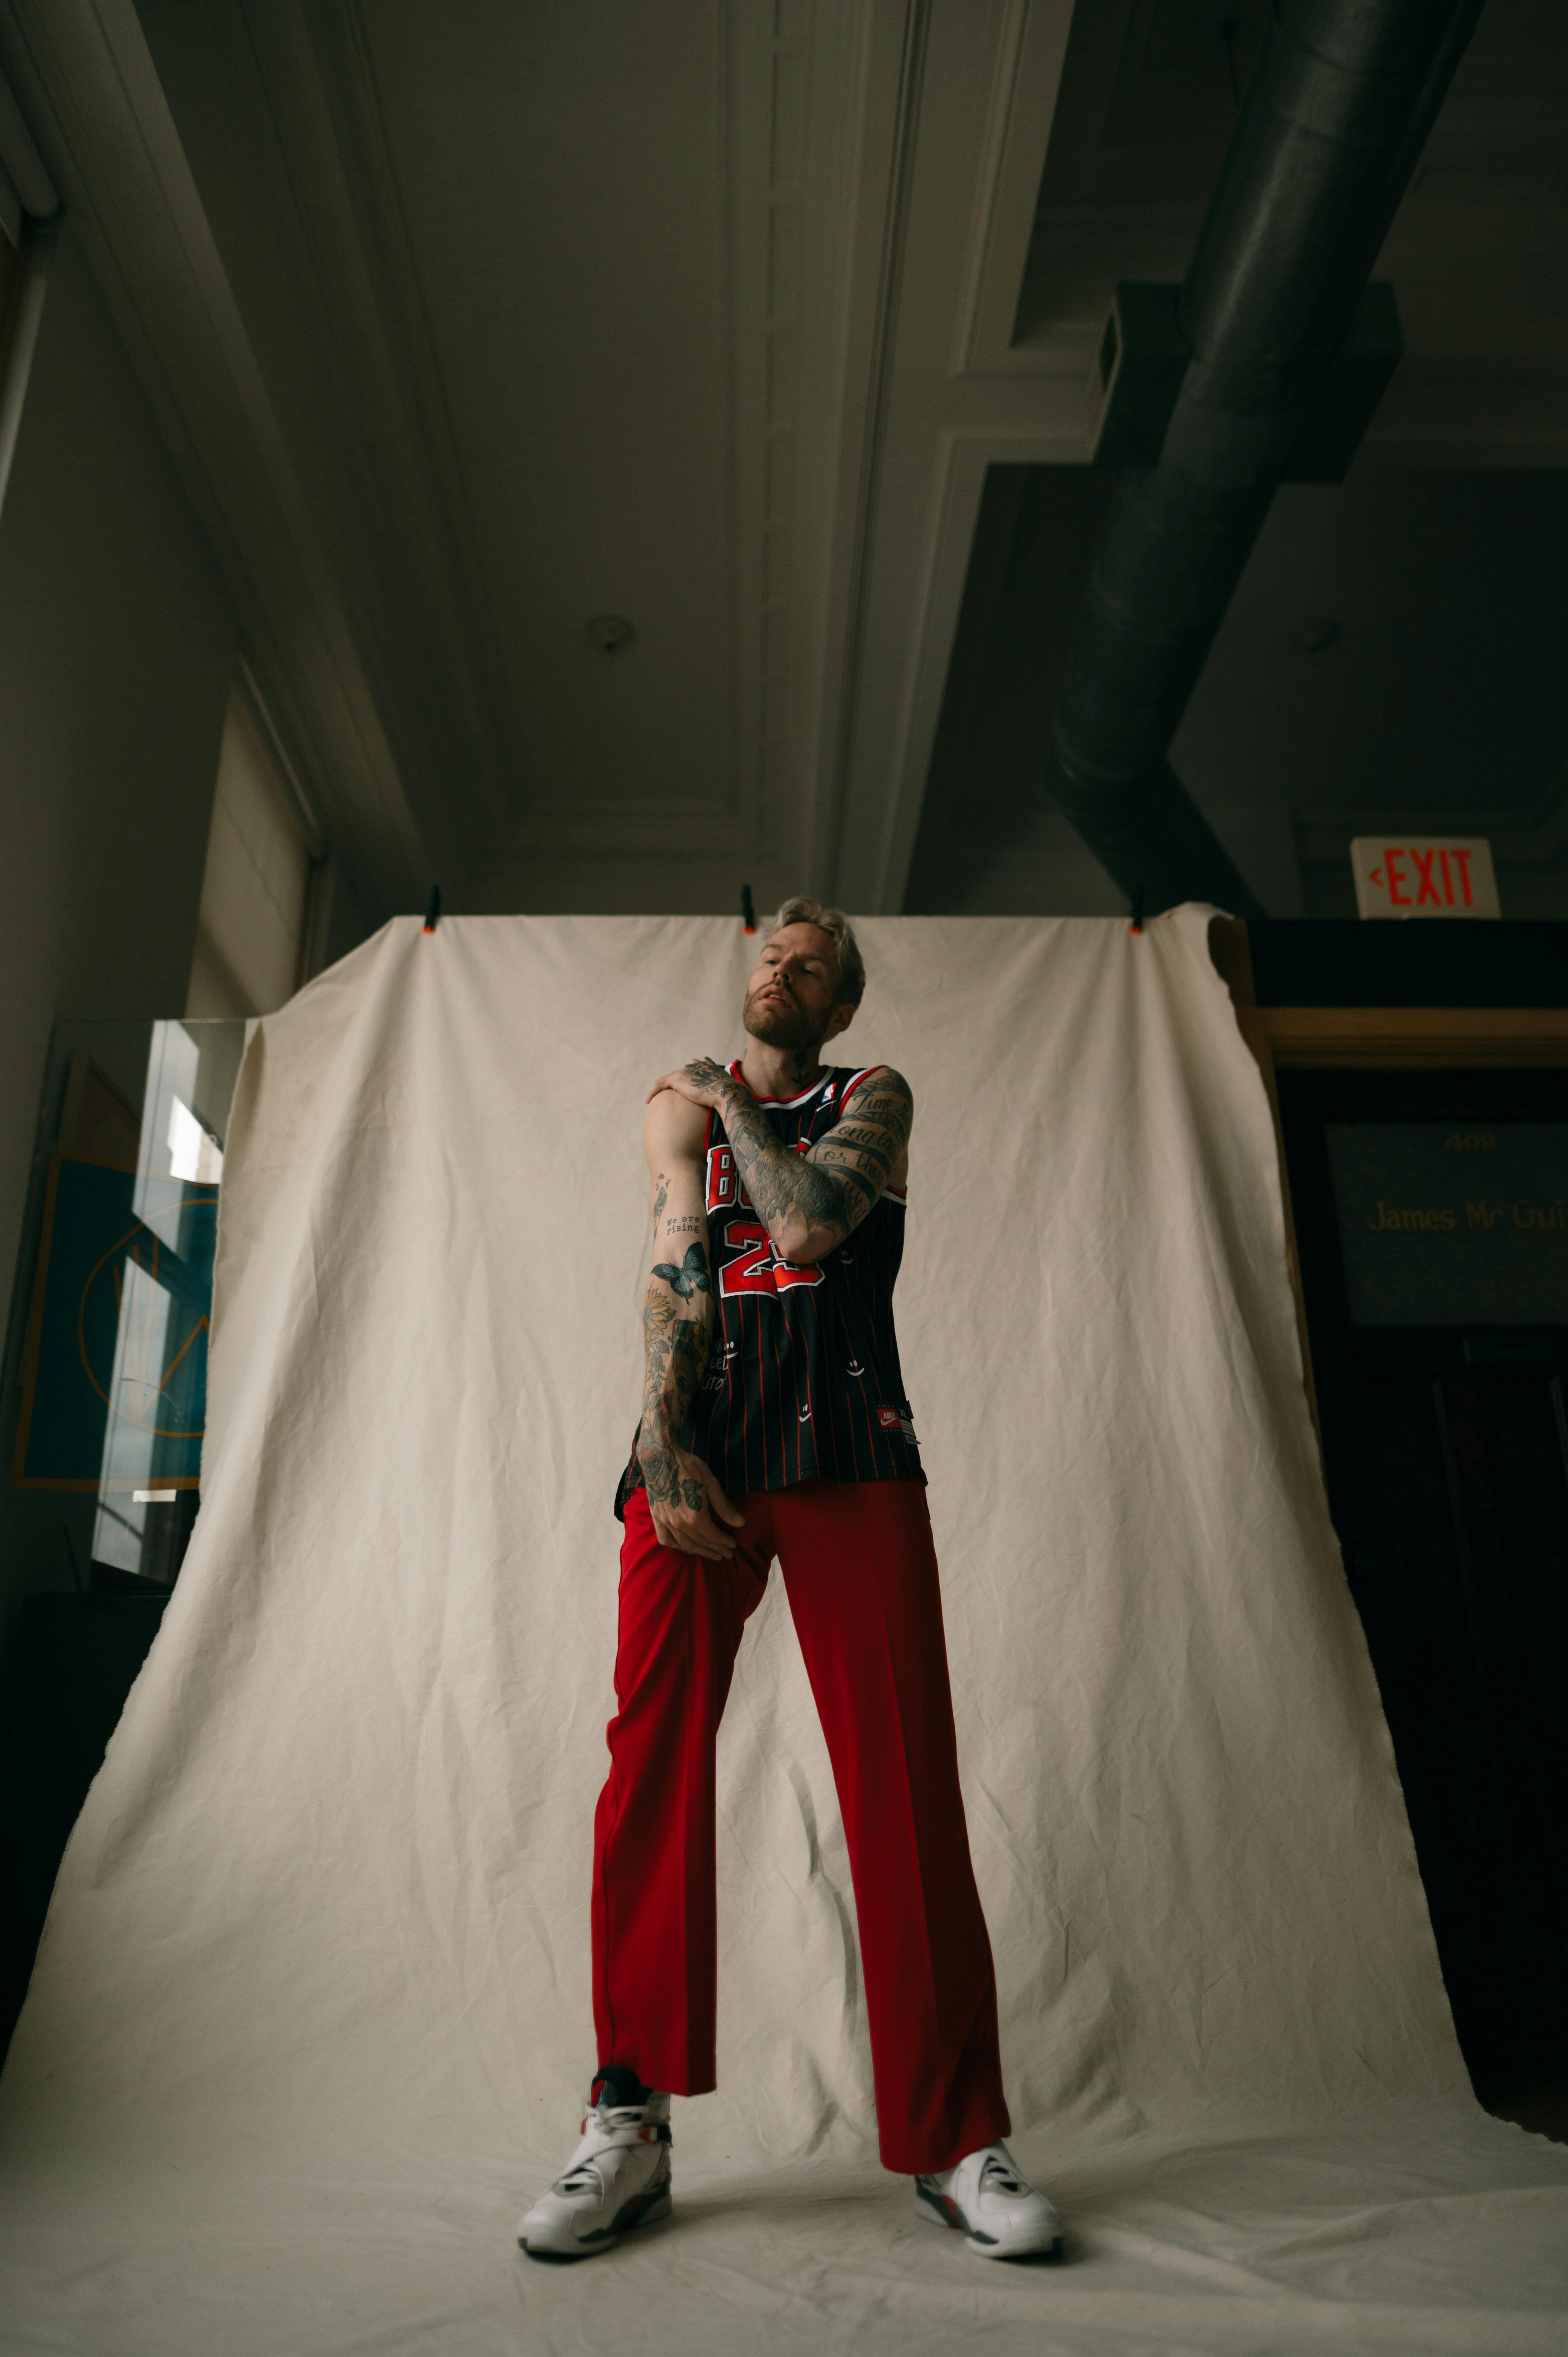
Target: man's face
[(790, 998)]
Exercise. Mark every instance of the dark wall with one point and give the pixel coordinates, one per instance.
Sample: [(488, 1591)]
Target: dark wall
[(1326, 961), (117, 649)]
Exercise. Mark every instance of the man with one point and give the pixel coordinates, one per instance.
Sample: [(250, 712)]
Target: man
[(774, 1422)]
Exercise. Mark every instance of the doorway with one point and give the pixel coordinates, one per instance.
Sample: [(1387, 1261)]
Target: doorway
[(1432, 1225)]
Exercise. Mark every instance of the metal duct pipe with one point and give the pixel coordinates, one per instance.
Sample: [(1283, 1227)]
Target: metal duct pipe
[(1333, 121)]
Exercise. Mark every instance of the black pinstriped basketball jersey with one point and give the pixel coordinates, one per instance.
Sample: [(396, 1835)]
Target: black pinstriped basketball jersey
[(804, 1382)]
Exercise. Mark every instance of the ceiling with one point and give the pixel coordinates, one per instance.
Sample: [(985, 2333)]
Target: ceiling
[(469, 326)]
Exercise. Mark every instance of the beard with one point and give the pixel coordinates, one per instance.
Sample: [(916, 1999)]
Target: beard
[(782, 1024)]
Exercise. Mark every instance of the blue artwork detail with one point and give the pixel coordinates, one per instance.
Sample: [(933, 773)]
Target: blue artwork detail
[(115, 1385)]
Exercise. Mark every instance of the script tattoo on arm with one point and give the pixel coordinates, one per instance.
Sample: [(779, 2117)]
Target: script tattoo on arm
[(677, 1343), (809, 1203), (687, 1504)]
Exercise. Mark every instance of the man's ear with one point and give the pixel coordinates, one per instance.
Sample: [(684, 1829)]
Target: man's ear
[(843, 1016)]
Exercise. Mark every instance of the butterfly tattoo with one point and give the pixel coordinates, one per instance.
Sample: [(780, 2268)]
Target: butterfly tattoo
[(691, 1278)]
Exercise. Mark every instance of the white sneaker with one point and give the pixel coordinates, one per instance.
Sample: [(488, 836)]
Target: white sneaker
[(987, 2197), (617, 2178)]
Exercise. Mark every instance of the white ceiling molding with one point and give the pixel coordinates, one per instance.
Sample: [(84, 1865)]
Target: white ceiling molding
[(1031, 48), (814, 100), (316, 843), (759, 128), (946, 410), (83, 73), (22, 343), (448, 630), (964, 455), (464, 326), (284, 138), (27, 184), (777, 56), (878, 216)]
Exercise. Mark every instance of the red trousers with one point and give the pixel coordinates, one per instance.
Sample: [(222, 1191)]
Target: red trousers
[(859, 1572)]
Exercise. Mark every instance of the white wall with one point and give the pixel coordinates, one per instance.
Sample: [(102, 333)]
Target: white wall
[(117, 648), (253, 887)]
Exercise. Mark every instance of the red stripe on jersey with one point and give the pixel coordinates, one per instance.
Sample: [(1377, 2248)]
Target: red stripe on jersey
[(834, 1435), (859, 1382), (729, 1403), (854, 1085), (785, 1104), (779, 1397)]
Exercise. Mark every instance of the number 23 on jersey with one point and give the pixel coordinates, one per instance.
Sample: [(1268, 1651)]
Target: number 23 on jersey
[(751, 1264)]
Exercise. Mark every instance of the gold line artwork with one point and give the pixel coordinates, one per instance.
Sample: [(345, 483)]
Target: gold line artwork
[(141, 1348), (200, 1326), (131, 1237)]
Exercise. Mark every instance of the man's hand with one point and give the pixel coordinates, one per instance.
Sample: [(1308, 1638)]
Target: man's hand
[(683, 1499), (701, 1082)]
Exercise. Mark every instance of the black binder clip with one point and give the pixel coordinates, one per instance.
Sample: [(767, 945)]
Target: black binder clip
[(747, 912), (433, 911), (1137, 924)]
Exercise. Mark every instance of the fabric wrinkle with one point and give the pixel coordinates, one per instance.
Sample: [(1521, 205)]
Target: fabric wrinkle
[(317, 1977)]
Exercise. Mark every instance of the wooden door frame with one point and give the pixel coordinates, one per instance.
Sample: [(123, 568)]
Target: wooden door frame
[(1386, 1039)]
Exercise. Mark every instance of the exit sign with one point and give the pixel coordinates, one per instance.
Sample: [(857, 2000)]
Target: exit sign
[(1433, 876)]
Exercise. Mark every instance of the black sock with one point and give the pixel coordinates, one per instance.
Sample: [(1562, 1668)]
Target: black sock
[(616, 2084)]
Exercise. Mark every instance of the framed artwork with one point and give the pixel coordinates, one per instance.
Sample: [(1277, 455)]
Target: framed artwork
[(114, 1378)]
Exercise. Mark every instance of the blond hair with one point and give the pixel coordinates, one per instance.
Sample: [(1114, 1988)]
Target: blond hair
[(833, 922)]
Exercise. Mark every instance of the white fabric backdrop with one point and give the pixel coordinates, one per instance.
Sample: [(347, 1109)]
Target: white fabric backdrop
[(312, 2012)]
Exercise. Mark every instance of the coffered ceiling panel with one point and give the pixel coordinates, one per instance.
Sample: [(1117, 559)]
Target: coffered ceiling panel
[(549, 305), (471, 325), (565, 173)]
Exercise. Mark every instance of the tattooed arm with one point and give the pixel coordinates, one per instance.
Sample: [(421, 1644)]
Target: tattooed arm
[(809, 1204), (688, 1506)]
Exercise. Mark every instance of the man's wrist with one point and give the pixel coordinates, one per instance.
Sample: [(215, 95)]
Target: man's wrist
[(655, 1439)]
